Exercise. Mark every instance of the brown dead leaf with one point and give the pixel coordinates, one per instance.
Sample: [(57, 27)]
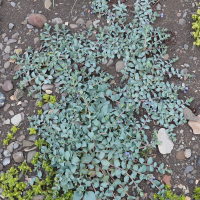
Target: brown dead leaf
[(12, 60)]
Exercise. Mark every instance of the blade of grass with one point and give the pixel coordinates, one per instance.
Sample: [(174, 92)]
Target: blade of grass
[(73, 6)]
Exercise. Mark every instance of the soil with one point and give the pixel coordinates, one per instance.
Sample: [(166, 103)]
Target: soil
[(180, 35)]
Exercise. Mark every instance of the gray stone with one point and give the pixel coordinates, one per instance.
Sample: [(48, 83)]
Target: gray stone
[(182, 22), (16, 119), (30, 156), (36, 40), (6, 57), (38, 197), (1, 166), (29, 26), (189, 115), (33, 138), (166, 56), (6, 64), (18, 94), (120, 66), (6, 161), (11, 25), (95, 23), (7, 49), (21, 138), (47, 87), (198, 161), (2, 99), (188, 169), (15, 146), (10, 147), (7, 121), (27, 143), (7, 86), (73, 26), (166, 145), (1, 46), (14, 36), (10, 41), (187, 153), (186, 46), (45, 106), (158, 7), (6, 153), (186, 65), (57, 21), (110, 62), (18, 157), (191, 182), (13, 4), (88, 24), (80, 21)]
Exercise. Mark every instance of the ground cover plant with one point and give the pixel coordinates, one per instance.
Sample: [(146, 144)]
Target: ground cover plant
[(95, 137), (196, 27)]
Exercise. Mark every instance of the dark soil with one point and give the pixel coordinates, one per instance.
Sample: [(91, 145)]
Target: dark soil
[(180, 35)]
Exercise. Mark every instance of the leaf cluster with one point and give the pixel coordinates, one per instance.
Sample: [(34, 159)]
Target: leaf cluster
[(196, 27), (9, 137)]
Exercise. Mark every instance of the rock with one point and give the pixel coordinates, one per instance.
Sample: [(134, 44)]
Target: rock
[(7, 49), (186, 47), (6, 161), (167, 180), (45, 106), (37, 20), (11, 25), (188, 169), (7, 86), (195, 126), (29, 26), (15, 146), (6, 153), (7, 121), (6, 107), (16, 119), (1, 46), (6, 64), (95, 23), (38, 197), (189, 115), (158, 7), (80, 21), (1, 166), (21, 138), (120, 66), (48, 91), (57, 21), (167, 145), (30, 156), (27, 143), (47, 87), (166, 56), (191, 182), (18, 67), (182, 22), (198, 161), (10, 147), (1, 2), (151, 196), (32, 138), (10, 41), (36, 40), (110, 62), (18, 157), (15, 35), (73, 26), (180, 155), (13, 4), (187, 198), (93, 36), (18, 94), (188, 153), (2, 99), (88, 24)]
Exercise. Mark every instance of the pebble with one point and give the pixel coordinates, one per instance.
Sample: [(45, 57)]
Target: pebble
[(10, 41), (120, 66), (88, 24), (110, 62), (191, 182), (6, 161), (189, 115), (1, 166), (32, 138), (1, 46), (27, 143), (18, 157), (186, 46), (182, 22), (2, 99), (13, 4), (16, 119), (73, 26), (198, 161), (95, 23), (167, 145), (47, 87), (166, 57), (15, 146), (195, 125), (187, 153), (18, 94), (7, 121), (180, 155), (7, 86), (158, 7), (15, 35), (6, 107), (188, 169), (6, 64), (30, 156), (80, 21), (178, 14), (38, 197), (6, 153), (7, 49), (10, 147), (45, 106), (29, 26), (57, 21), (37, 20), (21, 138), (11, 25)]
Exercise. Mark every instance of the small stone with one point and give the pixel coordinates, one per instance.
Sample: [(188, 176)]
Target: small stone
[(189, 115), (7, 86), (88, 24), (18, 94), (1, 46), (198, 161), (15, 35), (47, 87), (167, 180), (10, 41), (120, 66), (18, 157), (191, 182), (57, 21), (6, 161), (6, 153), (158, 7), (6, 107), (16, 119), (38, 197), (167, 145), (1, 166), (7, 49), (13, 4), (11, 25), (180, 155), (21, 138), (10, 147), (186, 47), (110, 62), (37, 20), (29, 26), (6, 64), (80, 21), (27, 143), (48, 91), (45, 106), (195, 126), (15, 146), (7, 121), (36, 40), (2, 99), (166, 57), (95, 23), (32, 138), (73, 26), (30, 156), (182, 22), (188, 169), (178, 14), (187, 153)]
